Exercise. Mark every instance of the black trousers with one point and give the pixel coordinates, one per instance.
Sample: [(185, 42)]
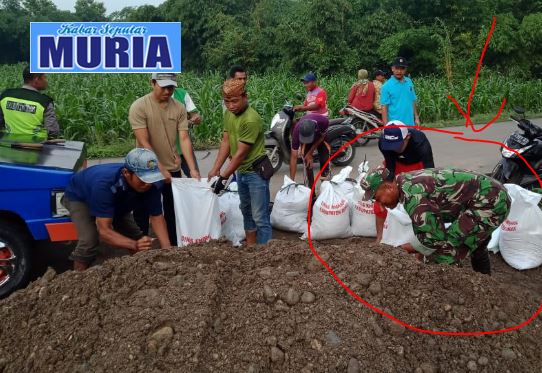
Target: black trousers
[(141, 215), (184, 165), (323, 155), (480, 261)]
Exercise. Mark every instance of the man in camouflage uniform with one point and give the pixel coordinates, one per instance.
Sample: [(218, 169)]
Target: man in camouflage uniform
[(474, 204)]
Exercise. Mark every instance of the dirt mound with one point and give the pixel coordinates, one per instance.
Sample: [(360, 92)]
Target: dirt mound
[(212, 308)]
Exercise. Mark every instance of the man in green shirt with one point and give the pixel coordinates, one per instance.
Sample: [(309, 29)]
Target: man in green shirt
[(194, 118), (243, 141)]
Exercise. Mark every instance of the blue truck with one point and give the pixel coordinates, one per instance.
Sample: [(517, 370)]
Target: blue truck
[(33, 176)]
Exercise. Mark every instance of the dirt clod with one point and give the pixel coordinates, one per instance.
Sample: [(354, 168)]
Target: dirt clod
[(308, 297), (292, 297), (353, 366), (277, 355), (428, 368), (508, 354), (268, 294)]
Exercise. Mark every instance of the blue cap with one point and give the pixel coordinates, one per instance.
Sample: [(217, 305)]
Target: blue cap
[(309, 77), (393, 137), (144, 164)]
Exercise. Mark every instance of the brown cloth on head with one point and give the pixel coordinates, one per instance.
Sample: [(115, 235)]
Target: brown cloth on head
[(233, 88)]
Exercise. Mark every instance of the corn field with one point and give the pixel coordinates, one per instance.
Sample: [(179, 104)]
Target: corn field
[(94, 107)]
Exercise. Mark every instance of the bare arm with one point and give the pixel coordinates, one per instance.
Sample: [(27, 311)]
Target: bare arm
[(385, 114), (188, 152), (194, 117), (416, 116), (237, 159), (315, 145), (110, 237), (223, 154), (160, 228), (293, 163), (311, 107)]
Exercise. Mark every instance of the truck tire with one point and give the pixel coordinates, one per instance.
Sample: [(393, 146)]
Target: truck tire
[(14, 258)]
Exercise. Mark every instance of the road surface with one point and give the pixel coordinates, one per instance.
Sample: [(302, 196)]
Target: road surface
[(447, 152)]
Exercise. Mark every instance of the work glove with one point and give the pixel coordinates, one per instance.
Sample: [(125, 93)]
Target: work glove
[(219, 185)]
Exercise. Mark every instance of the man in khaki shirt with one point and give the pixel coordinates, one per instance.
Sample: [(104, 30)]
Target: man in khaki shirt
[(157, 119)]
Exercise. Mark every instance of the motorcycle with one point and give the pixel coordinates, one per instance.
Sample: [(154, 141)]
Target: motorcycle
[(363, 122), (511, 169), (278, 141)]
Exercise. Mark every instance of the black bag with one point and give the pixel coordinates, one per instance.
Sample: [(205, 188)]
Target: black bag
[(262, 166)]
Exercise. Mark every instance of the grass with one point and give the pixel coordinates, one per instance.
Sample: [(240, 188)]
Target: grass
[(94, 107)]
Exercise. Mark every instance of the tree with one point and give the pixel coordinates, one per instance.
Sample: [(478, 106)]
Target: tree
[(89, 11), (419, 46)]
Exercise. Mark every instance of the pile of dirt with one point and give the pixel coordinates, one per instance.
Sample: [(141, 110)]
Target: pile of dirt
[(212, 308)]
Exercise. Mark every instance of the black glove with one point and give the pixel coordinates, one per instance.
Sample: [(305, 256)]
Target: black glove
[(219, 185)]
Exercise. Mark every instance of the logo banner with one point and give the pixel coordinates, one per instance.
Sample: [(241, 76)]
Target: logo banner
[(105, 47)]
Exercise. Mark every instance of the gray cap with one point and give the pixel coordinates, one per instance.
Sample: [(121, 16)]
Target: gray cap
[(306, 131), (144, 164), (165, 79)]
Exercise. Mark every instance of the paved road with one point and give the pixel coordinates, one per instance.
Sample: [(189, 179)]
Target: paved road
[(447, 151)]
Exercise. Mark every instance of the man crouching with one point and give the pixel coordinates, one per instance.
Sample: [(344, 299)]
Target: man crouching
[(101, 199), (474, 204)]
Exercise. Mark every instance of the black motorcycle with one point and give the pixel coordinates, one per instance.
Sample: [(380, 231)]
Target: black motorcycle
[(278, 140), (511, 168)]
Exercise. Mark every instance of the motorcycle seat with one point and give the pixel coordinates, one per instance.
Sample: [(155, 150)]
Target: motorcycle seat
[(335, 121)]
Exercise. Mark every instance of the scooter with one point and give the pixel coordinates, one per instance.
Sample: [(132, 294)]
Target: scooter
[(363, 122), (511, 169), (278, 141)]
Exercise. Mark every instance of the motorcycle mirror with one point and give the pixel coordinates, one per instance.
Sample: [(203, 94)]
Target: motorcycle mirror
[(299, 96), (519, 110)]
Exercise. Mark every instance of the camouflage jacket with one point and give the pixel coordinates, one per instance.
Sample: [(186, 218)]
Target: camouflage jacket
[(473, 203)]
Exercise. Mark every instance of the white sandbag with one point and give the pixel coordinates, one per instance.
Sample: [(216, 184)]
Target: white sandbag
[(520, 239), (363, 216), (344, 185), (398, 230), (493, 244), (196, 211), (290, 207), (331, 212), (231, 216), (397, 227)]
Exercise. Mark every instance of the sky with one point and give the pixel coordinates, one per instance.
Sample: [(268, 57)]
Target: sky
[(110, 5)]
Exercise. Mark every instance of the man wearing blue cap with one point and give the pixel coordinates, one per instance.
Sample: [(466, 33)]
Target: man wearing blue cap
[(316, 100), (404, 150), (101, 199), (398, 97)]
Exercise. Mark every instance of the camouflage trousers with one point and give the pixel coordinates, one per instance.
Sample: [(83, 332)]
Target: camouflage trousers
[(473, 227)]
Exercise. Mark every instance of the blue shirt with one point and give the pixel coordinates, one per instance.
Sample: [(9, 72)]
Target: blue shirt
[(108, 195), (399, 97)]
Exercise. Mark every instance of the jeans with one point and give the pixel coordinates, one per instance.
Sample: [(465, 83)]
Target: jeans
[(141, 215), (254, 197)]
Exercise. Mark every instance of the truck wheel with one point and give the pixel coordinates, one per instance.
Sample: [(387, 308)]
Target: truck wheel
[(276, 159), (14, 258)]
